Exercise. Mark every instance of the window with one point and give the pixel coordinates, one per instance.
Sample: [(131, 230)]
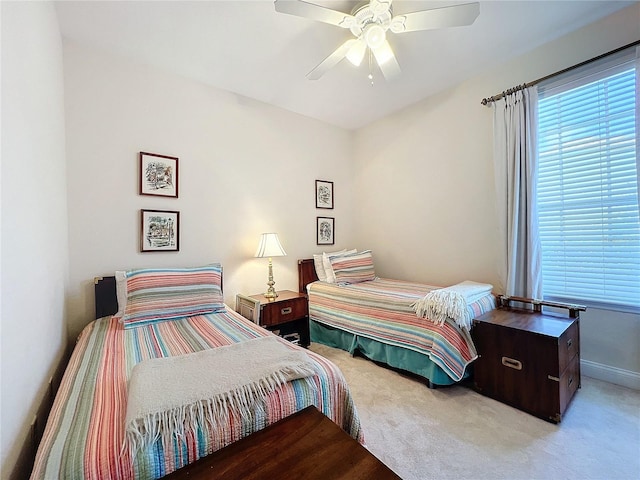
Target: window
[(588, 185)]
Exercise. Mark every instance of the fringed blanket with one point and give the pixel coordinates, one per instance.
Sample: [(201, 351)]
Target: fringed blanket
[(171, 396), (451, 303)]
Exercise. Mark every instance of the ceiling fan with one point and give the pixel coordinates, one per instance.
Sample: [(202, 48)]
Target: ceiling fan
[(369, 23)]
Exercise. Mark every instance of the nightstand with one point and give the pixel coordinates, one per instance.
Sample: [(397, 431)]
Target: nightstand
[(286, 315), (529, 359)]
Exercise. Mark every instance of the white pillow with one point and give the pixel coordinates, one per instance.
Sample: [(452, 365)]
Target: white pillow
[(121, 292), (318, 263), (326, 261)]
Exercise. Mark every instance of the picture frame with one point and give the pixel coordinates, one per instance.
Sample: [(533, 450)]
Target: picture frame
[(159, 231), (324, 194), (158, 175), (325, 230)]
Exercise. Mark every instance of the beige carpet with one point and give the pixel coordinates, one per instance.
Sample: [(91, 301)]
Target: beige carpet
[(453, 432)]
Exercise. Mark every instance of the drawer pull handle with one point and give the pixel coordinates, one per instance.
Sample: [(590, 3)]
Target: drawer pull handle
[(551, 377), (511, 363), (286, 311), (570, 380), (569, 343)]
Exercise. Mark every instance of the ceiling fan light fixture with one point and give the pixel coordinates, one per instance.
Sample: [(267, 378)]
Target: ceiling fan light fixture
[(356, 53), (397, 24), (369, 22), (374, 35)]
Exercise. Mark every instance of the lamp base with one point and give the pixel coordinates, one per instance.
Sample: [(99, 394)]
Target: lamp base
[(271, 294)]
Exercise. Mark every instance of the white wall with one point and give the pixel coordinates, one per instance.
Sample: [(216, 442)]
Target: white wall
[(244, 168), (425, 194), (34, 215), (424, 187)]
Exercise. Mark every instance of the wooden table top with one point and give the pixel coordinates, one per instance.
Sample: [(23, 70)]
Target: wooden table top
[(305, 445), (549, 324)]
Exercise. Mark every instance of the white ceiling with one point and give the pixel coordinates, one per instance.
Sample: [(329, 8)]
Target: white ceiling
[(247, 48)]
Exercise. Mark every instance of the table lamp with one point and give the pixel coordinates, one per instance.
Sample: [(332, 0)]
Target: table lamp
[(270, 247)]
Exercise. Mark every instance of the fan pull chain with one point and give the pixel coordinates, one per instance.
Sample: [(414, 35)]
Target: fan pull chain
[(370, 76)]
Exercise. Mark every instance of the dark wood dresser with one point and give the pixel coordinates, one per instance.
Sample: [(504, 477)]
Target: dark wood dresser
[(305, 445), (529, 359)]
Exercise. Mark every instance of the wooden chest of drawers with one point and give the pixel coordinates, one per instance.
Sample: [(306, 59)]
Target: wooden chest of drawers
[(528, 359)]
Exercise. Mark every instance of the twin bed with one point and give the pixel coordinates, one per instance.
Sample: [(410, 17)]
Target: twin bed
[(84, 436), (167, 317), (377, 317)]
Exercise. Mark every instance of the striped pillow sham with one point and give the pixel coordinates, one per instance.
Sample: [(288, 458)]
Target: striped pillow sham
[(156, 294), (353, 268), (326, 261)]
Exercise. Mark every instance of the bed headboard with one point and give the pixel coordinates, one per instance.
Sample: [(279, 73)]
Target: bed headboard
[(105, 296), (306, 274)]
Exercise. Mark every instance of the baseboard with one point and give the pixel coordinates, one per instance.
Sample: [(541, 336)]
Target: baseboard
[(619, 376)]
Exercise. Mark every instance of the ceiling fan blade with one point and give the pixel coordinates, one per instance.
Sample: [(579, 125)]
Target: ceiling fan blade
[(332, 60), (453, 16), (387, 61), (314, 12)]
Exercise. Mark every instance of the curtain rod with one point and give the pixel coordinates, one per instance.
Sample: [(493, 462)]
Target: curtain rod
[(486, 101)]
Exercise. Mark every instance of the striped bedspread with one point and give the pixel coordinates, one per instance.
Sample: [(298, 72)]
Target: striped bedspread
[(381, 310), (84, 436)]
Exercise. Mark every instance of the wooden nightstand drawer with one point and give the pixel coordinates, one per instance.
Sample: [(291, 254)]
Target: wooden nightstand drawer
[(283, 311), (568, 346), (569, 382)]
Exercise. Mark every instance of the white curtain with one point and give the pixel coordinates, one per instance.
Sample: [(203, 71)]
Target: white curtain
[(515, 158)]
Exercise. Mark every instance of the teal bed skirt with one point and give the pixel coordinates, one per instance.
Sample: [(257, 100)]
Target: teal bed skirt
[(396, 357)]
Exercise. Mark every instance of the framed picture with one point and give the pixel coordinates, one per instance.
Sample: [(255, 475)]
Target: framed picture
[(158, 175), (325, 230), (159, 231), (324, 194)]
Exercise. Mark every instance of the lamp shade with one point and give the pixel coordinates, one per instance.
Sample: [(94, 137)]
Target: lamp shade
[(374, 35), (270, 246)]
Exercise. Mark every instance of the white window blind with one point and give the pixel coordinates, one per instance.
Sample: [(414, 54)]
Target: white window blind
[(587, 190)]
